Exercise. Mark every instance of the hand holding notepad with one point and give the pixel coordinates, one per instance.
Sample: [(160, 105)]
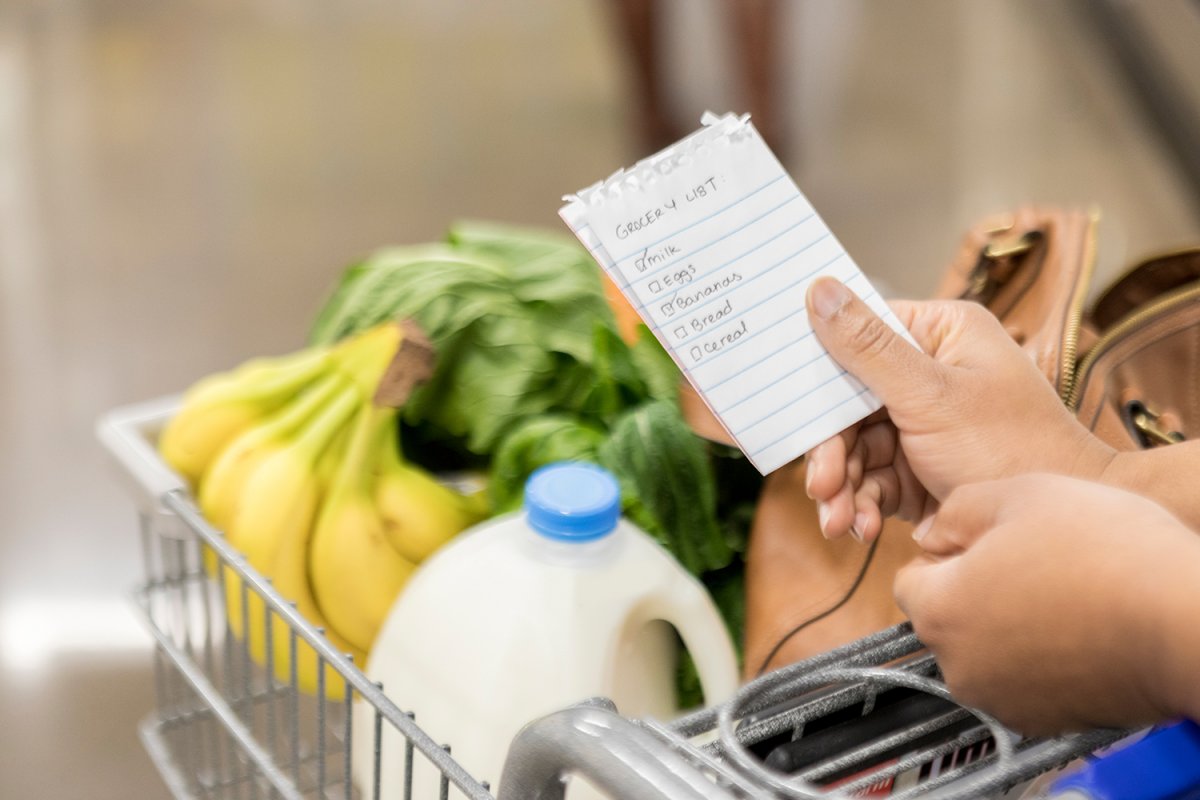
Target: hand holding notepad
[(715, 246)]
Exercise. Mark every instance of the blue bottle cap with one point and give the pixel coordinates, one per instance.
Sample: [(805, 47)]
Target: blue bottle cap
[(572, 501)]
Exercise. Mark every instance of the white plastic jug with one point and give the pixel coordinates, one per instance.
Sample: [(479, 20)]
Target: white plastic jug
[(528, 614)]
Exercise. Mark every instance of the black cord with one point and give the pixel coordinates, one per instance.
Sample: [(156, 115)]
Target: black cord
[(861, 574)]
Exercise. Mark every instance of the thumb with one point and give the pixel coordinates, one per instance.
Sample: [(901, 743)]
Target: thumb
[(865, 345), (965, 517), (928, 591), (917, 584)]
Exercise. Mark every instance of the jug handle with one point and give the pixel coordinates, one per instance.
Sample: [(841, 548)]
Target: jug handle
[(692, 612)]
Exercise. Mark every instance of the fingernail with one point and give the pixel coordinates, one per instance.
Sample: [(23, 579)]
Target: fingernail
[(860, 525), (823, 517), (922, 529), (828, 296), (809, 469)]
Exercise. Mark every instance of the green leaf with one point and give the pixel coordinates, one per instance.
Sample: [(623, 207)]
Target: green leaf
[(332, 310), (663, 466), (535, 444), (689, 694), (616, 383), (443, 290), (517, 318), (738, 487), (655, 365)]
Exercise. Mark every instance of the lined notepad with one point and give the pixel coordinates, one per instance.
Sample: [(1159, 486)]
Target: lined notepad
[(714, 245)]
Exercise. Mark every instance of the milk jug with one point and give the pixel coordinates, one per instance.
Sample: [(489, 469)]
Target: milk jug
[(528, 614)]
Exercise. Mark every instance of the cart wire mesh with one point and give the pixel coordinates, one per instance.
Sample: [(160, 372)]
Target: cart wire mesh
[(226, 725)]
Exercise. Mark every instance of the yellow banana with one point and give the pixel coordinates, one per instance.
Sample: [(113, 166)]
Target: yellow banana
[(222, 484), (231, 437), (419, 514), (355, 573), (290, 577), (221, 406), (331, 459), (283, 488), (216, 409), (279, 500)]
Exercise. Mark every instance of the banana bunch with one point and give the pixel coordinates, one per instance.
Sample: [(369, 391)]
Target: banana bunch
[(295, 463)]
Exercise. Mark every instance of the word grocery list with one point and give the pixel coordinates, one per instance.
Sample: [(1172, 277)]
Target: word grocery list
[(715, 246)]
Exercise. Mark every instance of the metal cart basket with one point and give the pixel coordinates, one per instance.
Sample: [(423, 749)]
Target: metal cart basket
[(868, 719)]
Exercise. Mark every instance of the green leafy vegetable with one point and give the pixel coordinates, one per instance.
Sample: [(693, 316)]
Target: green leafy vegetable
[(514, 317), (666, 476), (688, 692), (667, 480), (738, 487), (656, 366)]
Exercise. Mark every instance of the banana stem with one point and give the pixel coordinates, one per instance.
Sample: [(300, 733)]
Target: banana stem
[(296, 371), (298, 413), (317, 436)]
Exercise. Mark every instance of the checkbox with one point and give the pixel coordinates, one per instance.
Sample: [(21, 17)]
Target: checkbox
[(655, 286), (668, 309), (681, 332)]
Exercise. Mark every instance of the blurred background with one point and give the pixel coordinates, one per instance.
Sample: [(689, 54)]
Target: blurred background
[(181, 181)]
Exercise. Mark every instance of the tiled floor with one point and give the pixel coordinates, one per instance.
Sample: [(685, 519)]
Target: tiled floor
[(180, 181)]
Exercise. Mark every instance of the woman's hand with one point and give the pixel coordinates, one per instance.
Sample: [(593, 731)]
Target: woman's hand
[(972, 407), (1057, 604)]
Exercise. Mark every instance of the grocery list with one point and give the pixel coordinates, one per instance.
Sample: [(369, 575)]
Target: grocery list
[(715, 246)]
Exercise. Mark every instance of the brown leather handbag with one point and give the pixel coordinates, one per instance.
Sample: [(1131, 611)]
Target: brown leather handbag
[(1130, 368)]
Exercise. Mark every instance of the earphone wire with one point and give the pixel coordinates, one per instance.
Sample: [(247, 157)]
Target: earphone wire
[(845, 599)]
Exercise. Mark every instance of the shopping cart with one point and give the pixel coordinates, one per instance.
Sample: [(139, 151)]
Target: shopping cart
[(867, 719)]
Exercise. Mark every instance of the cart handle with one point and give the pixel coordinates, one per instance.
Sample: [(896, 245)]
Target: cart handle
[(616, 756)]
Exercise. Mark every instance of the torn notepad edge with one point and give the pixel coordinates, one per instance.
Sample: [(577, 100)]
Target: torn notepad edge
[(630, 179)]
